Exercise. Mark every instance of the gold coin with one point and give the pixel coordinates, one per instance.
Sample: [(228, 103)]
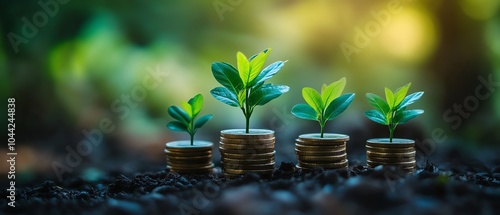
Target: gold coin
[(240, 172), (407, 168), (334, 165), (189, 164), (399, 158), (390, 150), (253, 161), (188, 154), (319, 144), (189, 158), (248, 166), (323, 158), (390, 160), (253, 134), (268, 165), (197, 167), (404, 164), (189, 150), (243, 141), (246, 162), (326, 139), (231, 176), (319, 153), (196, 159), (245, 151), (391, 155), (249, 156), (301, 147), (385, 143), (194, 168), (184, 145), (239, 147)]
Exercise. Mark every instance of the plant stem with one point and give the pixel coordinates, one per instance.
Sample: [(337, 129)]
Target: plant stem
[(322, 123), (192, 133), (391, 126), (322, 129), (247, 130), (247, 112), (391, 132)]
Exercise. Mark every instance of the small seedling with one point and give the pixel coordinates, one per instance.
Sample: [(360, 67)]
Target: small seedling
[(392, 112), (245, 87), (325, 106), (185, 116)]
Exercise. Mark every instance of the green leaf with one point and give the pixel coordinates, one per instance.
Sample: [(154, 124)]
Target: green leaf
[(304, 111), (338, 105), (400, 94), (187, 107), (323, 88), (176, 126), (179, 114), (378, 103), (389, 97), (243, 68), (410, 99), (404, 116), (196, 104), (225, 96), (241, 98), (227, 76), (313, 98), (333, 91), (376, 116), (257, 63), (202, 120), (268, 72), (266, 93), (255, 55)]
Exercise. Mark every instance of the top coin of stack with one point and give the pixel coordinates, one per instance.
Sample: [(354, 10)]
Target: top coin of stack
[(328, 152), (399, 152), (182, 157), (243, 152)]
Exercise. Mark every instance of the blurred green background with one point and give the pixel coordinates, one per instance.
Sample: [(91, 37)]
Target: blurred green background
[(87, 55)]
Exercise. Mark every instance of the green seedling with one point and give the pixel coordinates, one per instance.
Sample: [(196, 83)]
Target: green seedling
[(245, 87), (185, 116), (392, 112), (325, 106)]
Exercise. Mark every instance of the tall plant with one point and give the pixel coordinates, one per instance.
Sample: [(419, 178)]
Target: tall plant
[(245, 87)]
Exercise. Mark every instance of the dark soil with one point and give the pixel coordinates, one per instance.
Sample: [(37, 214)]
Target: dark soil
[(457, 183)]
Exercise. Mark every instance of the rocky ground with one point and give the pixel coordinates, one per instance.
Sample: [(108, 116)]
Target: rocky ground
[(454, 182)]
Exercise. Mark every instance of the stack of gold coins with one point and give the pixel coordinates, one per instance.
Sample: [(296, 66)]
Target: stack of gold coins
[(182, 157), (328, 152), (399, 152), (243, 152)]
